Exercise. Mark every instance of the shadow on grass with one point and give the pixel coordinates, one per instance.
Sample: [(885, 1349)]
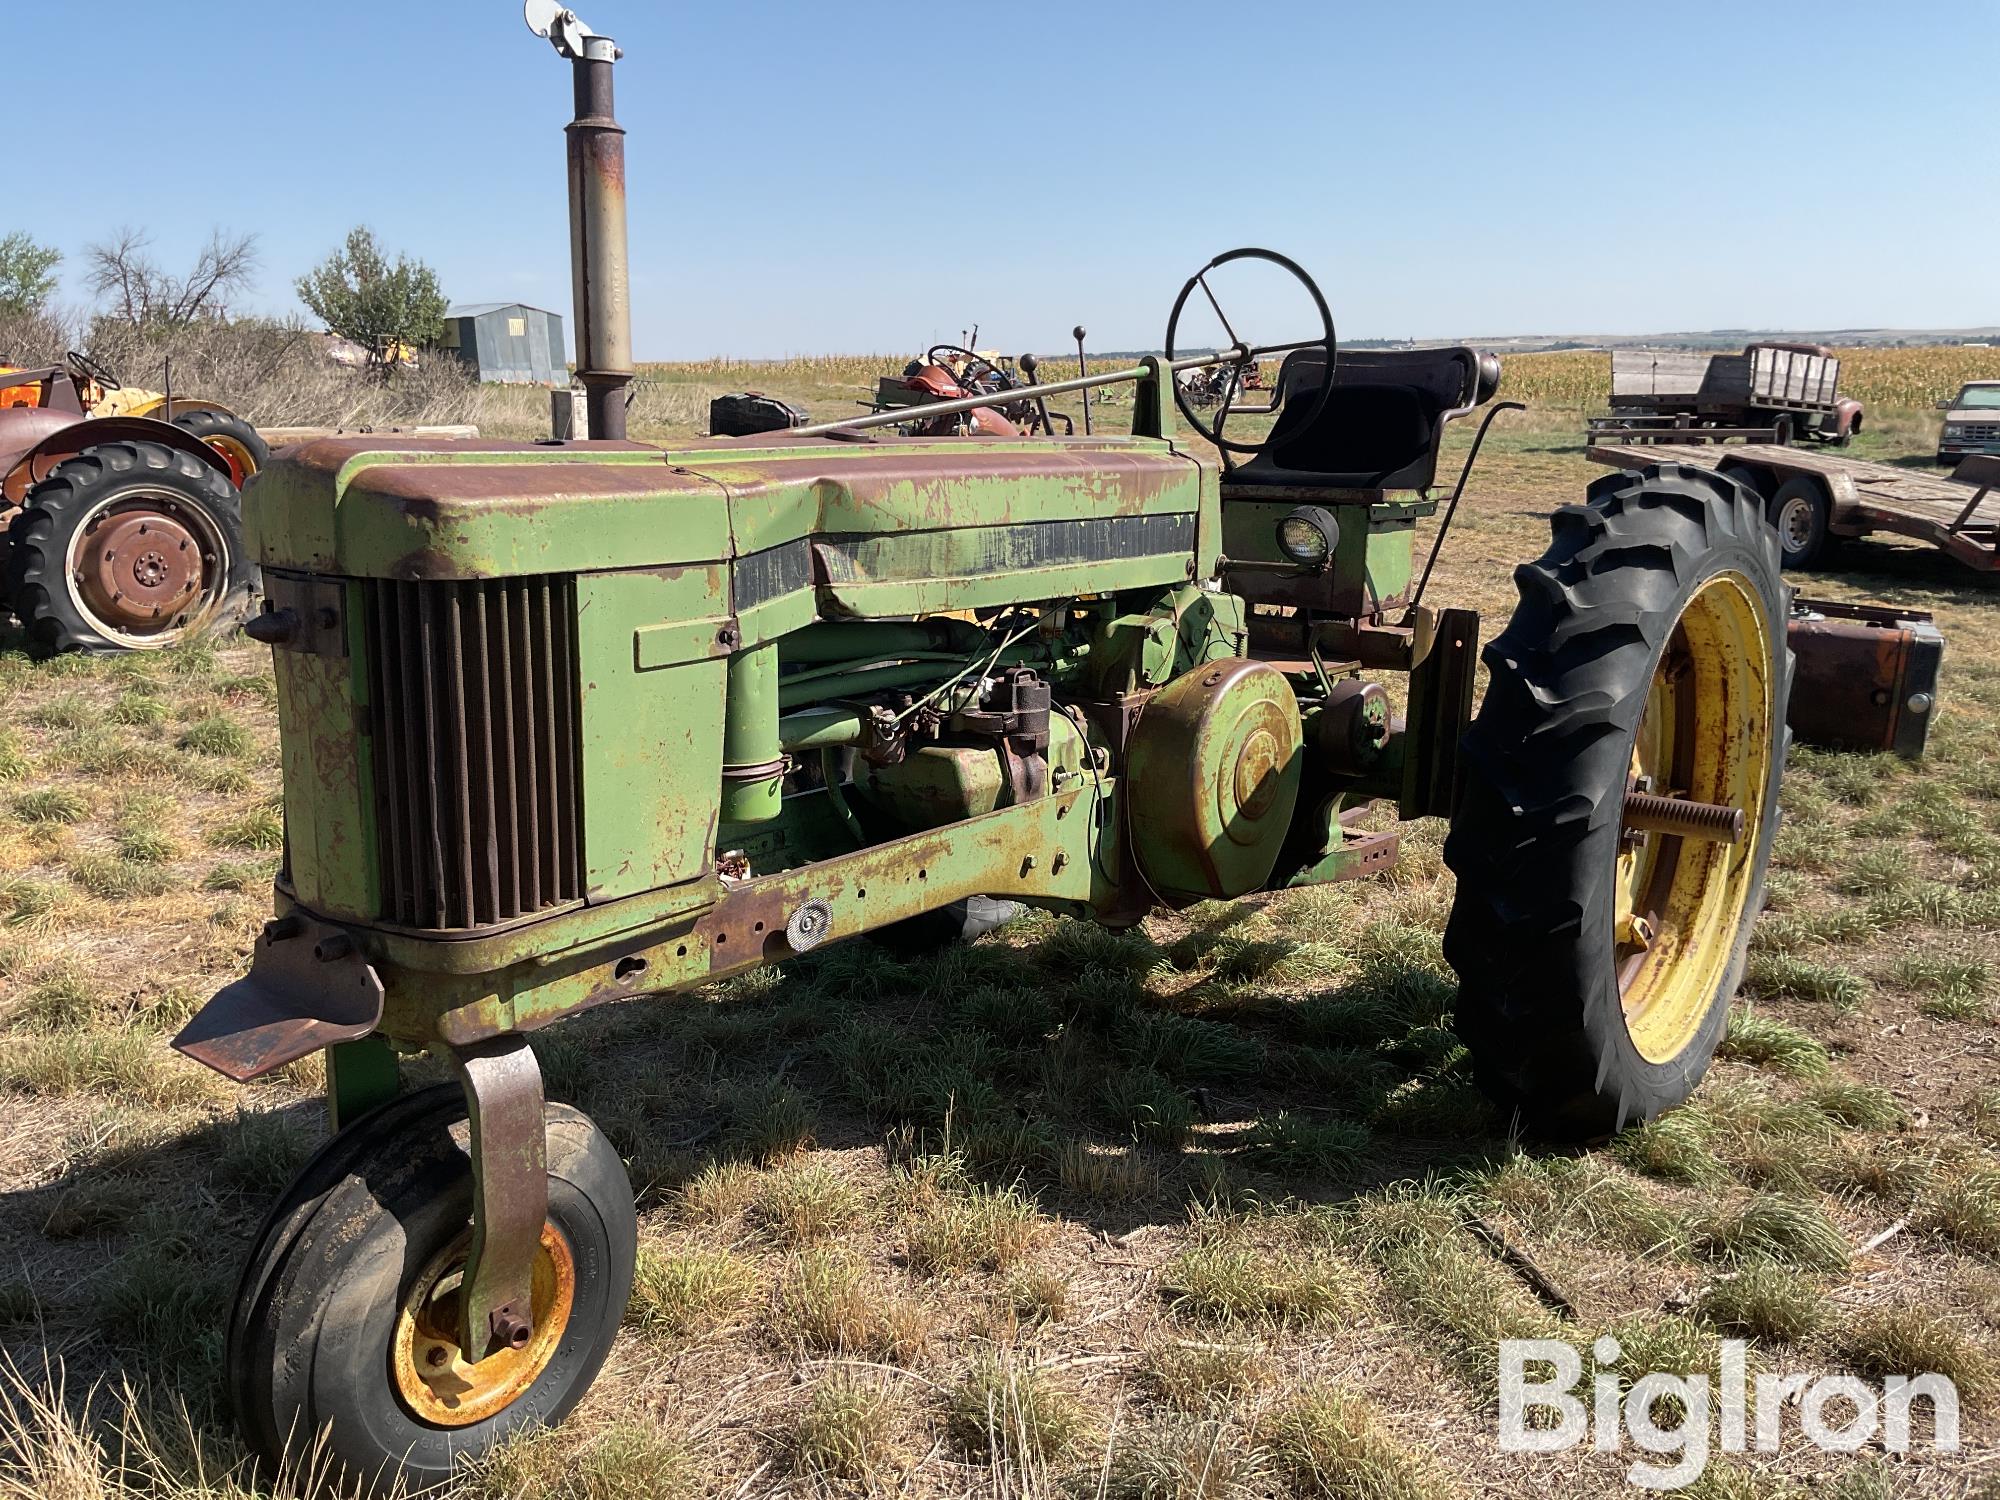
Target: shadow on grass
[(1922, 577), (1218, 1066)]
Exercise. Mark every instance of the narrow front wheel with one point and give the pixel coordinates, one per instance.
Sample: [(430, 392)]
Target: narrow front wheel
[(344, 1330)]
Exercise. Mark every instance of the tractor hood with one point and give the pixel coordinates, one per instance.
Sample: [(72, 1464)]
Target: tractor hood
[(949, 522)]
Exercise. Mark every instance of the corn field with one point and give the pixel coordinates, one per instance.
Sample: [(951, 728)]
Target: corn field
[(1905, 378), (1890, 378)]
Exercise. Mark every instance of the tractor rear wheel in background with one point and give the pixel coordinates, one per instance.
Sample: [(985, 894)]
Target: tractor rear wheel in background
[(1646, 659), (345, 1318), (234, 440), (129, 545)]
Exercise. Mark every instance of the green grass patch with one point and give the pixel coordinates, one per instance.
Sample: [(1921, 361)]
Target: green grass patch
[(689, 1293), (1293, 1145), (797, 1205), (825, 1303), (138, 708), (1765, 1227), (65, 711), (845, 1435), (1965, 1209), (62, 1000), (972, 1228), (14, 761), (1007, 1410), (51, 804), (1913, 1340), (218, 735), (1229, 1280), (769, 1121), (259, 828), (1766, 1042), (1765, 1302), (116, 878), (1857, 1106), (1201, 1376), (1330, 1444), (1784, 976)]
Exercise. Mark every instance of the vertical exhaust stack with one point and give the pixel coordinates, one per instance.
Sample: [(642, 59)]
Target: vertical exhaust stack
[(599, 268)]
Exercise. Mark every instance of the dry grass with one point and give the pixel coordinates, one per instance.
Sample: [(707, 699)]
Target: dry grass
[(1069, 1212)]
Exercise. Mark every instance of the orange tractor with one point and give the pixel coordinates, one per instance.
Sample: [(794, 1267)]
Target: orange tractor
[(121, 527)]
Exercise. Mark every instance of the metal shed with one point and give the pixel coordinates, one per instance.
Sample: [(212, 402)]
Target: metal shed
[(508, 341)]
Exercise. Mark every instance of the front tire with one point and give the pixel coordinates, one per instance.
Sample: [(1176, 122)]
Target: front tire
[(1595, 975), (127, 546), (340, 1322)]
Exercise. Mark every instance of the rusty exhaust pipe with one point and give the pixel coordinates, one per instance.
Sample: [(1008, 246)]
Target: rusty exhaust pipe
[(599, 266)]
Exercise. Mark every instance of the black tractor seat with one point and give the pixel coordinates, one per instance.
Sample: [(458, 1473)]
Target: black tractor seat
[(1381, 428)]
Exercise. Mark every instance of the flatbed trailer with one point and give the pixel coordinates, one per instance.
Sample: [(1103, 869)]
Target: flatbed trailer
[(1813, 495)]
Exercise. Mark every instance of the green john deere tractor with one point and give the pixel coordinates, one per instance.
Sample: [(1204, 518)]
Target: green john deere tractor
[(568, 725)]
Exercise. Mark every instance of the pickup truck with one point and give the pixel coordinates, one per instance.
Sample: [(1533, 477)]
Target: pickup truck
[(1971, 422)]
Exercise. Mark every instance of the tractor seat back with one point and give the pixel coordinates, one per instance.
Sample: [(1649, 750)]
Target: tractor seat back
[(1382, 426)]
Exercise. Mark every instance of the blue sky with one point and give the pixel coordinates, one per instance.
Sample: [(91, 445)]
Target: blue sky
[(862, 177)]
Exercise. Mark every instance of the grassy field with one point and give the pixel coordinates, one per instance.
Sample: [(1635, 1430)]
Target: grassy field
[(1897, 385), (1201, 1210)]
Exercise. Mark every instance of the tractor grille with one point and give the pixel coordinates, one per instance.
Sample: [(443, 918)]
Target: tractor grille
[(476, 758)]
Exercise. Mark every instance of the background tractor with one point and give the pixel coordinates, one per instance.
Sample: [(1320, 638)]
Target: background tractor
[(96, 392), (122, 530), (567, 724)]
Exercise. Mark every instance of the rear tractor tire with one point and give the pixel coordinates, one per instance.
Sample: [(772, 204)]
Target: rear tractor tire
[(234, 440), (342, 1354), (128, 546), (1596, 962)]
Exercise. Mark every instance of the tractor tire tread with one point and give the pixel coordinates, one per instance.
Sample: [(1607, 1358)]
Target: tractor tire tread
[(1545, 766)]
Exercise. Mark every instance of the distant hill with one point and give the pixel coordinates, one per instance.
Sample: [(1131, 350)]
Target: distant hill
[(1714, 338)]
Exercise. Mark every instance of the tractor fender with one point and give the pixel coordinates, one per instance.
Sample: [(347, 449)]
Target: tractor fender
[(158, 405), (24, 464)]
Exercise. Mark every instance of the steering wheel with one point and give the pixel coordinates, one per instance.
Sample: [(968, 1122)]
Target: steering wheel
[(965, 371), (1249, 355), (86, 368)]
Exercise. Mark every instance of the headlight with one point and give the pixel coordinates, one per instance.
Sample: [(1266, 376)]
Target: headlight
[(1308, 535), (1953, 429)]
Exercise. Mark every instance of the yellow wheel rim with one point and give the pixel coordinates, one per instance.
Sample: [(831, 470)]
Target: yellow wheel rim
[(242, 463), (432, 1376), (1707, 734)]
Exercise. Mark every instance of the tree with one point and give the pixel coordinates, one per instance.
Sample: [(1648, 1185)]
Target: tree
[(360, 296), (146, 296), (27, 275)]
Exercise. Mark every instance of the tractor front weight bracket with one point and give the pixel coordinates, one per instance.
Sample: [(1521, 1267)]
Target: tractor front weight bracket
[(510, 1193)]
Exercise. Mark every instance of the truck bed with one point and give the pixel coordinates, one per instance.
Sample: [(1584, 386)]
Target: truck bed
[(1866, 496), (1762, 376)]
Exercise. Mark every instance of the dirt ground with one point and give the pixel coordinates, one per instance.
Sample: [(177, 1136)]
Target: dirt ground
[(1206, 1209)]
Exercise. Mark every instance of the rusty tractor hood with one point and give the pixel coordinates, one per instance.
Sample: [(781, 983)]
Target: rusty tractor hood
[(414, 508)]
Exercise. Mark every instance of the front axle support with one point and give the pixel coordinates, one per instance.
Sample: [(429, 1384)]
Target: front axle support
[(510, 1193)]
